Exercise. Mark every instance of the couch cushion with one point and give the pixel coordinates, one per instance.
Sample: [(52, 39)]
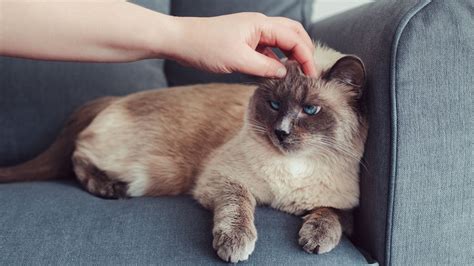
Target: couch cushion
[(37, 96), (58, 223), (299, 10)]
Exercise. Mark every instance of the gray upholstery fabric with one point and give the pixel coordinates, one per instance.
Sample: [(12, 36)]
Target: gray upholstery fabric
[(432, 184), (57, 223), (417, 194), (37, 96), (162, 6), (299, 10)]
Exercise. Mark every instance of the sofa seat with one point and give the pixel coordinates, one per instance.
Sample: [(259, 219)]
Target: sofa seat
[(44, 223)]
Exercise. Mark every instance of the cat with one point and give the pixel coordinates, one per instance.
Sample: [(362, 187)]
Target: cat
[(294, 144)]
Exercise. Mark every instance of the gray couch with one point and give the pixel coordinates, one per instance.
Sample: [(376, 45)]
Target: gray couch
[(416, 192)]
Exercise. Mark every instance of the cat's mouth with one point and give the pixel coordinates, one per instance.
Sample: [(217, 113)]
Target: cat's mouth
[(285, 146)]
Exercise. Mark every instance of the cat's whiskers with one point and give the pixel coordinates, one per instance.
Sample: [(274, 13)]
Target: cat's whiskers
[(335, 149), (343, 148), (257, 128), (324, 151), (338, 147)]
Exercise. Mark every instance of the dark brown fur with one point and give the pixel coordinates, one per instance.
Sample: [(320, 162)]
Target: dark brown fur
[(97, 181), (296, 90)]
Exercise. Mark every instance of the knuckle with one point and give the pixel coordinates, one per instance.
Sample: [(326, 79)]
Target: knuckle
[(255, 15), (293, 23), (299, 26)]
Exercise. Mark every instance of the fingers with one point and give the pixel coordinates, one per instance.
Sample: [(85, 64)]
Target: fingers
[(263, 64), (267, 51), (291, 37), (297, 27)]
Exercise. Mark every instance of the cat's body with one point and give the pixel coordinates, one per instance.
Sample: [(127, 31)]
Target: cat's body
[(224, 144), (157, 141)]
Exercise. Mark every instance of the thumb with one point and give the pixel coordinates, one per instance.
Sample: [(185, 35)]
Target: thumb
[(261, 65)]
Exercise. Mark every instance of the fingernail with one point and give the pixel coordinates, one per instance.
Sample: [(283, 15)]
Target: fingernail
[(281, 72)]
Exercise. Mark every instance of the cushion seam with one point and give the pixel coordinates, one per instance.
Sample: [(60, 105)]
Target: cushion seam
[(394, 126)]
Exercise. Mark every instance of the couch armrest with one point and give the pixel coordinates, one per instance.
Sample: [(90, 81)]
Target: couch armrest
[(416, 204)]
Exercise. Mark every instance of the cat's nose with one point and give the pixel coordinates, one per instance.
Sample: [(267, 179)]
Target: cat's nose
[(281, 134)]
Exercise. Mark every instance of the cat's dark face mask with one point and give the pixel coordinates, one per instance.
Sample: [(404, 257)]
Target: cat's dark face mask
[(298, 113)]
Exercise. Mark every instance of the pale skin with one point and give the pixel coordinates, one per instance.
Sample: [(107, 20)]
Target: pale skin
[(118, 31)]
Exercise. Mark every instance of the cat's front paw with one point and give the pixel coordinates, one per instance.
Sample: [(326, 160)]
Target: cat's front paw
[(234, 243), (320, 235)]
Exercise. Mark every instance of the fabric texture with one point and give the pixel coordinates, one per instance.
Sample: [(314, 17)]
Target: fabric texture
[(416, 193), (57, 223), (36, 97), (432, 183), (177, 74)]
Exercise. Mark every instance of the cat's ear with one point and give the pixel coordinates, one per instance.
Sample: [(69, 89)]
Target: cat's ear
[(349, 70)]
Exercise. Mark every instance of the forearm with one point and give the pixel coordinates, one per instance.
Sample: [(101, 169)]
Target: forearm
[(111, 31)]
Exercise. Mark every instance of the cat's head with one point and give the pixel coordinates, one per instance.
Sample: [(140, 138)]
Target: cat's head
[(303, 114)]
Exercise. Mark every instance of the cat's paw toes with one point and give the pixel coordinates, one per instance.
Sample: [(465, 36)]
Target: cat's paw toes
[(320, 235), (234, 244)]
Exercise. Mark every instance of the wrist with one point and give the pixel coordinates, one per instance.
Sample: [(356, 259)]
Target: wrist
[(177, 34), (156, 35), (162, 37)]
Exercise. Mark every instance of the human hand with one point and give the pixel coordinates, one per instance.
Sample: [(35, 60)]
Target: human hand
[(240, 43)]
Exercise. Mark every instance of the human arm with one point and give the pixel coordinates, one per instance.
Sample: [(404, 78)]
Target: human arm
[(116, 31)]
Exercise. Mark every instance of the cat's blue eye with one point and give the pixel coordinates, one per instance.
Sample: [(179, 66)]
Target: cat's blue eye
[(275, 105), (311, 109)]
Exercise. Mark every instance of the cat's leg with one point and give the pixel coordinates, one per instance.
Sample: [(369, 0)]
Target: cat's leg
[(96, 181), (234, 230), (322, 229)]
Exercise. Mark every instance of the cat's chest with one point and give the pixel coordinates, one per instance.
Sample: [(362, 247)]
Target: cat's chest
[(300, 184), (280, 179), (283, 175), (292, 168)]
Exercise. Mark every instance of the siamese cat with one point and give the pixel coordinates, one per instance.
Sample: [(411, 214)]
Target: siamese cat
[(294, 144)]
